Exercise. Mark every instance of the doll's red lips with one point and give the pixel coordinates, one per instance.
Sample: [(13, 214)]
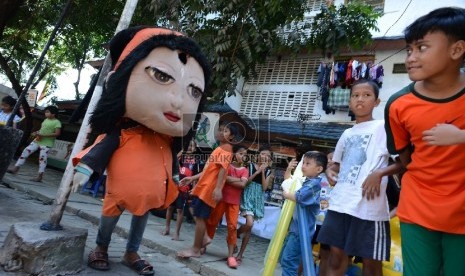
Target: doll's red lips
[(171, 116)]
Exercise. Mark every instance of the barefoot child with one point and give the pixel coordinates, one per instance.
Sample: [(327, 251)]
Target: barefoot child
[(208, 190), (188, 167), (229, 205)]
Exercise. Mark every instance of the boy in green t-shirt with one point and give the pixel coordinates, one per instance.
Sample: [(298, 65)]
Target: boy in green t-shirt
[(44, 140)]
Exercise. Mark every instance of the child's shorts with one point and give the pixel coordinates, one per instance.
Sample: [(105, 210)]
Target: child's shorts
[(357, 237), (201, 209), (181, 201)]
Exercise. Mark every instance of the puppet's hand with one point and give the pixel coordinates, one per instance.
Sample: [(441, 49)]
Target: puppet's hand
[(82, 173)]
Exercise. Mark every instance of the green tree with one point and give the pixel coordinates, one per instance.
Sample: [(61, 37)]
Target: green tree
[(235, 34), (239, 34), (346, 26)]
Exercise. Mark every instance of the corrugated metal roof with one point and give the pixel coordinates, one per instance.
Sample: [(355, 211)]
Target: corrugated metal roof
[(311, 130)]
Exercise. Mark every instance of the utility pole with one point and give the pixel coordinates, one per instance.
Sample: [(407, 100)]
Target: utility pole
[(64, 190)]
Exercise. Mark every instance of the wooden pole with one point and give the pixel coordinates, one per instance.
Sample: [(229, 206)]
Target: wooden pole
[(65, 186)]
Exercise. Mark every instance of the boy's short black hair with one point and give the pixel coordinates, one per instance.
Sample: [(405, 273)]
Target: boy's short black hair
[(449, 20), (9, 101), (320, 158), (373, 84), (52, 109)]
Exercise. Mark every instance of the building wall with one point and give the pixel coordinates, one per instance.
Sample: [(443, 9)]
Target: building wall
[(269, 93)]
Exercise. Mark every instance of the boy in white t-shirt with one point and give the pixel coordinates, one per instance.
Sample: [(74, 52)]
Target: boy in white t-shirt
[(357, 222)]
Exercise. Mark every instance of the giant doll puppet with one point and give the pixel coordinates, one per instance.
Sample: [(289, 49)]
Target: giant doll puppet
[(152, 97)]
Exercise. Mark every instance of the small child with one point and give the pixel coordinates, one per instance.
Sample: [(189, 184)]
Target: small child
[(229, 205), (425, 125), (308, 198), (44, 140), (208, 190), (188, 166), (357, 221), (8, 103)]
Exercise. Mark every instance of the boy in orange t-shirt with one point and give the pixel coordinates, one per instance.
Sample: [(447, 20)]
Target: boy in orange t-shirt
[(208, 190), (432, 199)]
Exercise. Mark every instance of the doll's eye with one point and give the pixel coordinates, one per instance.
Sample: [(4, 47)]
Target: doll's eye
[(195, 92), (159, 75)]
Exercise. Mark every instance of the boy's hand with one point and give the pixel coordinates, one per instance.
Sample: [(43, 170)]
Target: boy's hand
[(217, 195), (443, 135), (185, 181), (288, 195), (332, 175), (292, 164), (371, 186)]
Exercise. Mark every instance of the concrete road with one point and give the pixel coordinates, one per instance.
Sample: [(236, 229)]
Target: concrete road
[(16, 206)]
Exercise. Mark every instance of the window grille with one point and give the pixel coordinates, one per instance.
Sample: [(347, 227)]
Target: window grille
[(279, 105), (288, 70)]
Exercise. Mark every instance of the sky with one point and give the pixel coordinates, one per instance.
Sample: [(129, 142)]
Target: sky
[(65, 89)]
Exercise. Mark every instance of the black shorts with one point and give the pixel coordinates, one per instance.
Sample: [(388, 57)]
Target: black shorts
[(181, 201), (357, 237), (201, 209), (314, 241)]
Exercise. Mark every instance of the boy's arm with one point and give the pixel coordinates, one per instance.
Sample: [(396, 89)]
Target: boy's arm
[(332, 173), (289, 195), (236, 181), (291, 166), (371, 185), (217, 192), (305, 195), (444, 135), (189, 179)]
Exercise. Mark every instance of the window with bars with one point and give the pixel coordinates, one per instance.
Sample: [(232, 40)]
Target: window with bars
[(288, 105), (269, 94), (299, 70)]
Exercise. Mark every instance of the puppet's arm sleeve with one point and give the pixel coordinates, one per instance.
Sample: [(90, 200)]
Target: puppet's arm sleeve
[(98, 156)]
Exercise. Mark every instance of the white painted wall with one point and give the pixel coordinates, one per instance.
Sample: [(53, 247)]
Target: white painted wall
[(398, 14)]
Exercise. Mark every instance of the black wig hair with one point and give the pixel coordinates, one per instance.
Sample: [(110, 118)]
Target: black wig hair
[(449, 20), (111, 107), (320, 158), (373, 84)]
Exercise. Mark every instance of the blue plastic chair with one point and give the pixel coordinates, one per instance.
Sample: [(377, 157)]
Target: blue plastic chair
[(94, 187)]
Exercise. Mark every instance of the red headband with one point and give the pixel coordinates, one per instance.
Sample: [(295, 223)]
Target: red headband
[(142, 36)]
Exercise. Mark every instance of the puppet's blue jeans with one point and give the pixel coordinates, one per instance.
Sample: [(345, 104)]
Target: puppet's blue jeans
[(107, 225)]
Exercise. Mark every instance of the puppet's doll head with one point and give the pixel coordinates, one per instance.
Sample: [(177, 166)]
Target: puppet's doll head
[(158, 80)]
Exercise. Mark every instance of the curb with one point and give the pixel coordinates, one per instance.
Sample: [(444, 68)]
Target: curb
[(192, 263)]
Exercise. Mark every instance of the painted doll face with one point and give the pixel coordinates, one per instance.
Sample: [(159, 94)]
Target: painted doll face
[(164, 91)]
